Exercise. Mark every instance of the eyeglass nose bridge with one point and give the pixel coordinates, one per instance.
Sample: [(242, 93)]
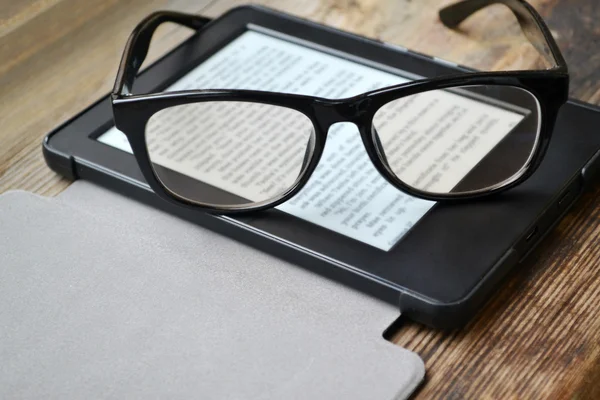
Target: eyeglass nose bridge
[(331, 112)]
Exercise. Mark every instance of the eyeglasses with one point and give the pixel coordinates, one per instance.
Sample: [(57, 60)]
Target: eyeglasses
[(449, 138)]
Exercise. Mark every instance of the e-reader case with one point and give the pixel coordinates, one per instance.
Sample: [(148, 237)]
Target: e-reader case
[(447, 265), (151, 306)]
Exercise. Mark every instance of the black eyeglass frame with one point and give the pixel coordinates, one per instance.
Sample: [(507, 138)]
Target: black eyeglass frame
[(550, 88)]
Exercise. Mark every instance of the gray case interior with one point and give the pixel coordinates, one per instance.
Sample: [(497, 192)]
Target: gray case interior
[(103, 297)]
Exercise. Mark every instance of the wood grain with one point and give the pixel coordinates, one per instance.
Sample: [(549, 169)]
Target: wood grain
[(539, 337)]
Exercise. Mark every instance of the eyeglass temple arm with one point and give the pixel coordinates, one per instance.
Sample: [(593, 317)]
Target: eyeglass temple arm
[(531, 23), (138, 44)]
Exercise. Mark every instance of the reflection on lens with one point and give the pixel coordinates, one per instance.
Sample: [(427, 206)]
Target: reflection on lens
[(459, 140), (229, 154)]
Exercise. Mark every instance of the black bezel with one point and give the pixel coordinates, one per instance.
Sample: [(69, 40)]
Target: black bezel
[(440, 272)]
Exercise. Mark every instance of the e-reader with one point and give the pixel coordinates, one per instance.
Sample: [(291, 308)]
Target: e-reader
[(437, 262)]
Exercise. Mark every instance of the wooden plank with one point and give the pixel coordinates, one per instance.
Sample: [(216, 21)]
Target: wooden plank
[(537, 338), (15, 13), (75, 66)]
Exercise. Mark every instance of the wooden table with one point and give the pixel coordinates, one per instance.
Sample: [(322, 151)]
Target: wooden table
[(539, 337)]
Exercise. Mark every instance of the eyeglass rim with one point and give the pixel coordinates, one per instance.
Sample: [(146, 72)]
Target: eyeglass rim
[(483, 191), (137, 110)]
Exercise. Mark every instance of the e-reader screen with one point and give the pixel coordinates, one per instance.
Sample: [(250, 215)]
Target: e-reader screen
[(345, 194)]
